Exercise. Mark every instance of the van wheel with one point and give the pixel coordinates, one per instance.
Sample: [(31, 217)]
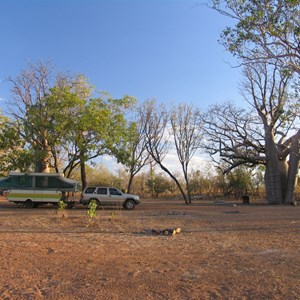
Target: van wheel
[(129, 204), (29, 204)]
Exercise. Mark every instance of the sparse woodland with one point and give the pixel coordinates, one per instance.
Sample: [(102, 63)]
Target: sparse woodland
[(58, 123)]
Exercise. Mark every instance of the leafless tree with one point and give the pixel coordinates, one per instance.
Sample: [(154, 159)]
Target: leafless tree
[(268, 134), (139, 156), (186, 129), (160, 126), (156, 135)]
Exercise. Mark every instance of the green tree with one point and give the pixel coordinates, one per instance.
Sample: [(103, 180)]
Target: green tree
[(101, 175), (132, 152), (13, 153), (264, 30), (61, 123), (40, 105), (202, 181), (239, 181), (157, 184), (98, 128)]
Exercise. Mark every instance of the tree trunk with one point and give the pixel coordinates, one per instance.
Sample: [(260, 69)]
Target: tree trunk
[(273, 178), (43, 156), (83, 171), (292, 177), (283, 171), (176, 181), (188, 190), (130, 183)]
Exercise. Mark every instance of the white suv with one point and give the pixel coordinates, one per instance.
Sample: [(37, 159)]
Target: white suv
[(108, 196)]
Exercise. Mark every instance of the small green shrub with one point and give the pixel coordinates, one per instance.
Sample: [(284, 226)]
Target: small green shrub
[(61, 211), (92, 207), (113, 215)]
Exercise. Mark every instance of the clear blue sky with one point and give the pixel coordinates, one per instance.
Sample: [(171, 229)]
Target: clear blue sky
[(166, 50)]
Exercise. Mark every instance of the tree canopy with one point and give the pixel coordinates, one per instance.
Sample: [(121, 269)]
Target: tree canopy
[(264, 30), (265, 39), (56, 121)]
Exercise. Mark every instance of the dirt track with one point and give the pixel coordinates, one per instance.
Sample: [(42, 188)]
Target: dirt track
[(223, 252)]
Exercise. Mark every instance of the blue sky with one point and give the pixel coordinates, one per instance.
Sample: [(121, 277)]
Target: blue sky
[(166, 50)]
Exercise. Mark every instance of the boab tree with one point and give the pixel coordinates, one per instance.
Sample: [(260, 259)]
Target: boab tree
[(29, 109), (268, 32), (264, 30), (40, 106), (268, 134), (269, 91)]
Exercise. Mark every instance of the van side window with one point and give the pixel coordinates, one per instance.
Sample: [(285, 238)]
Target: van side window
[(21, 182), (41, 182)]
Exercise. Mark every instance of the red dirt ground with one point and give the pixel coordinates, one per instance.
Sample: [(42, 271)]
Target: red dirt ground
[(223, 252)]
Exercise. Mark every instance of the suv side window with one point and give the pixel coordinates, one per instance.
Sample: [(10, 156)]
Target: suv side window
[(115, 192), (90, 190), (102, 191)]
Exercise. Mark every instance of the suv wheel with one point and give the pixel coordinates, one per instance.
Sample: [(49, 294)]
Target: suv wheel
[(129, 204)]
